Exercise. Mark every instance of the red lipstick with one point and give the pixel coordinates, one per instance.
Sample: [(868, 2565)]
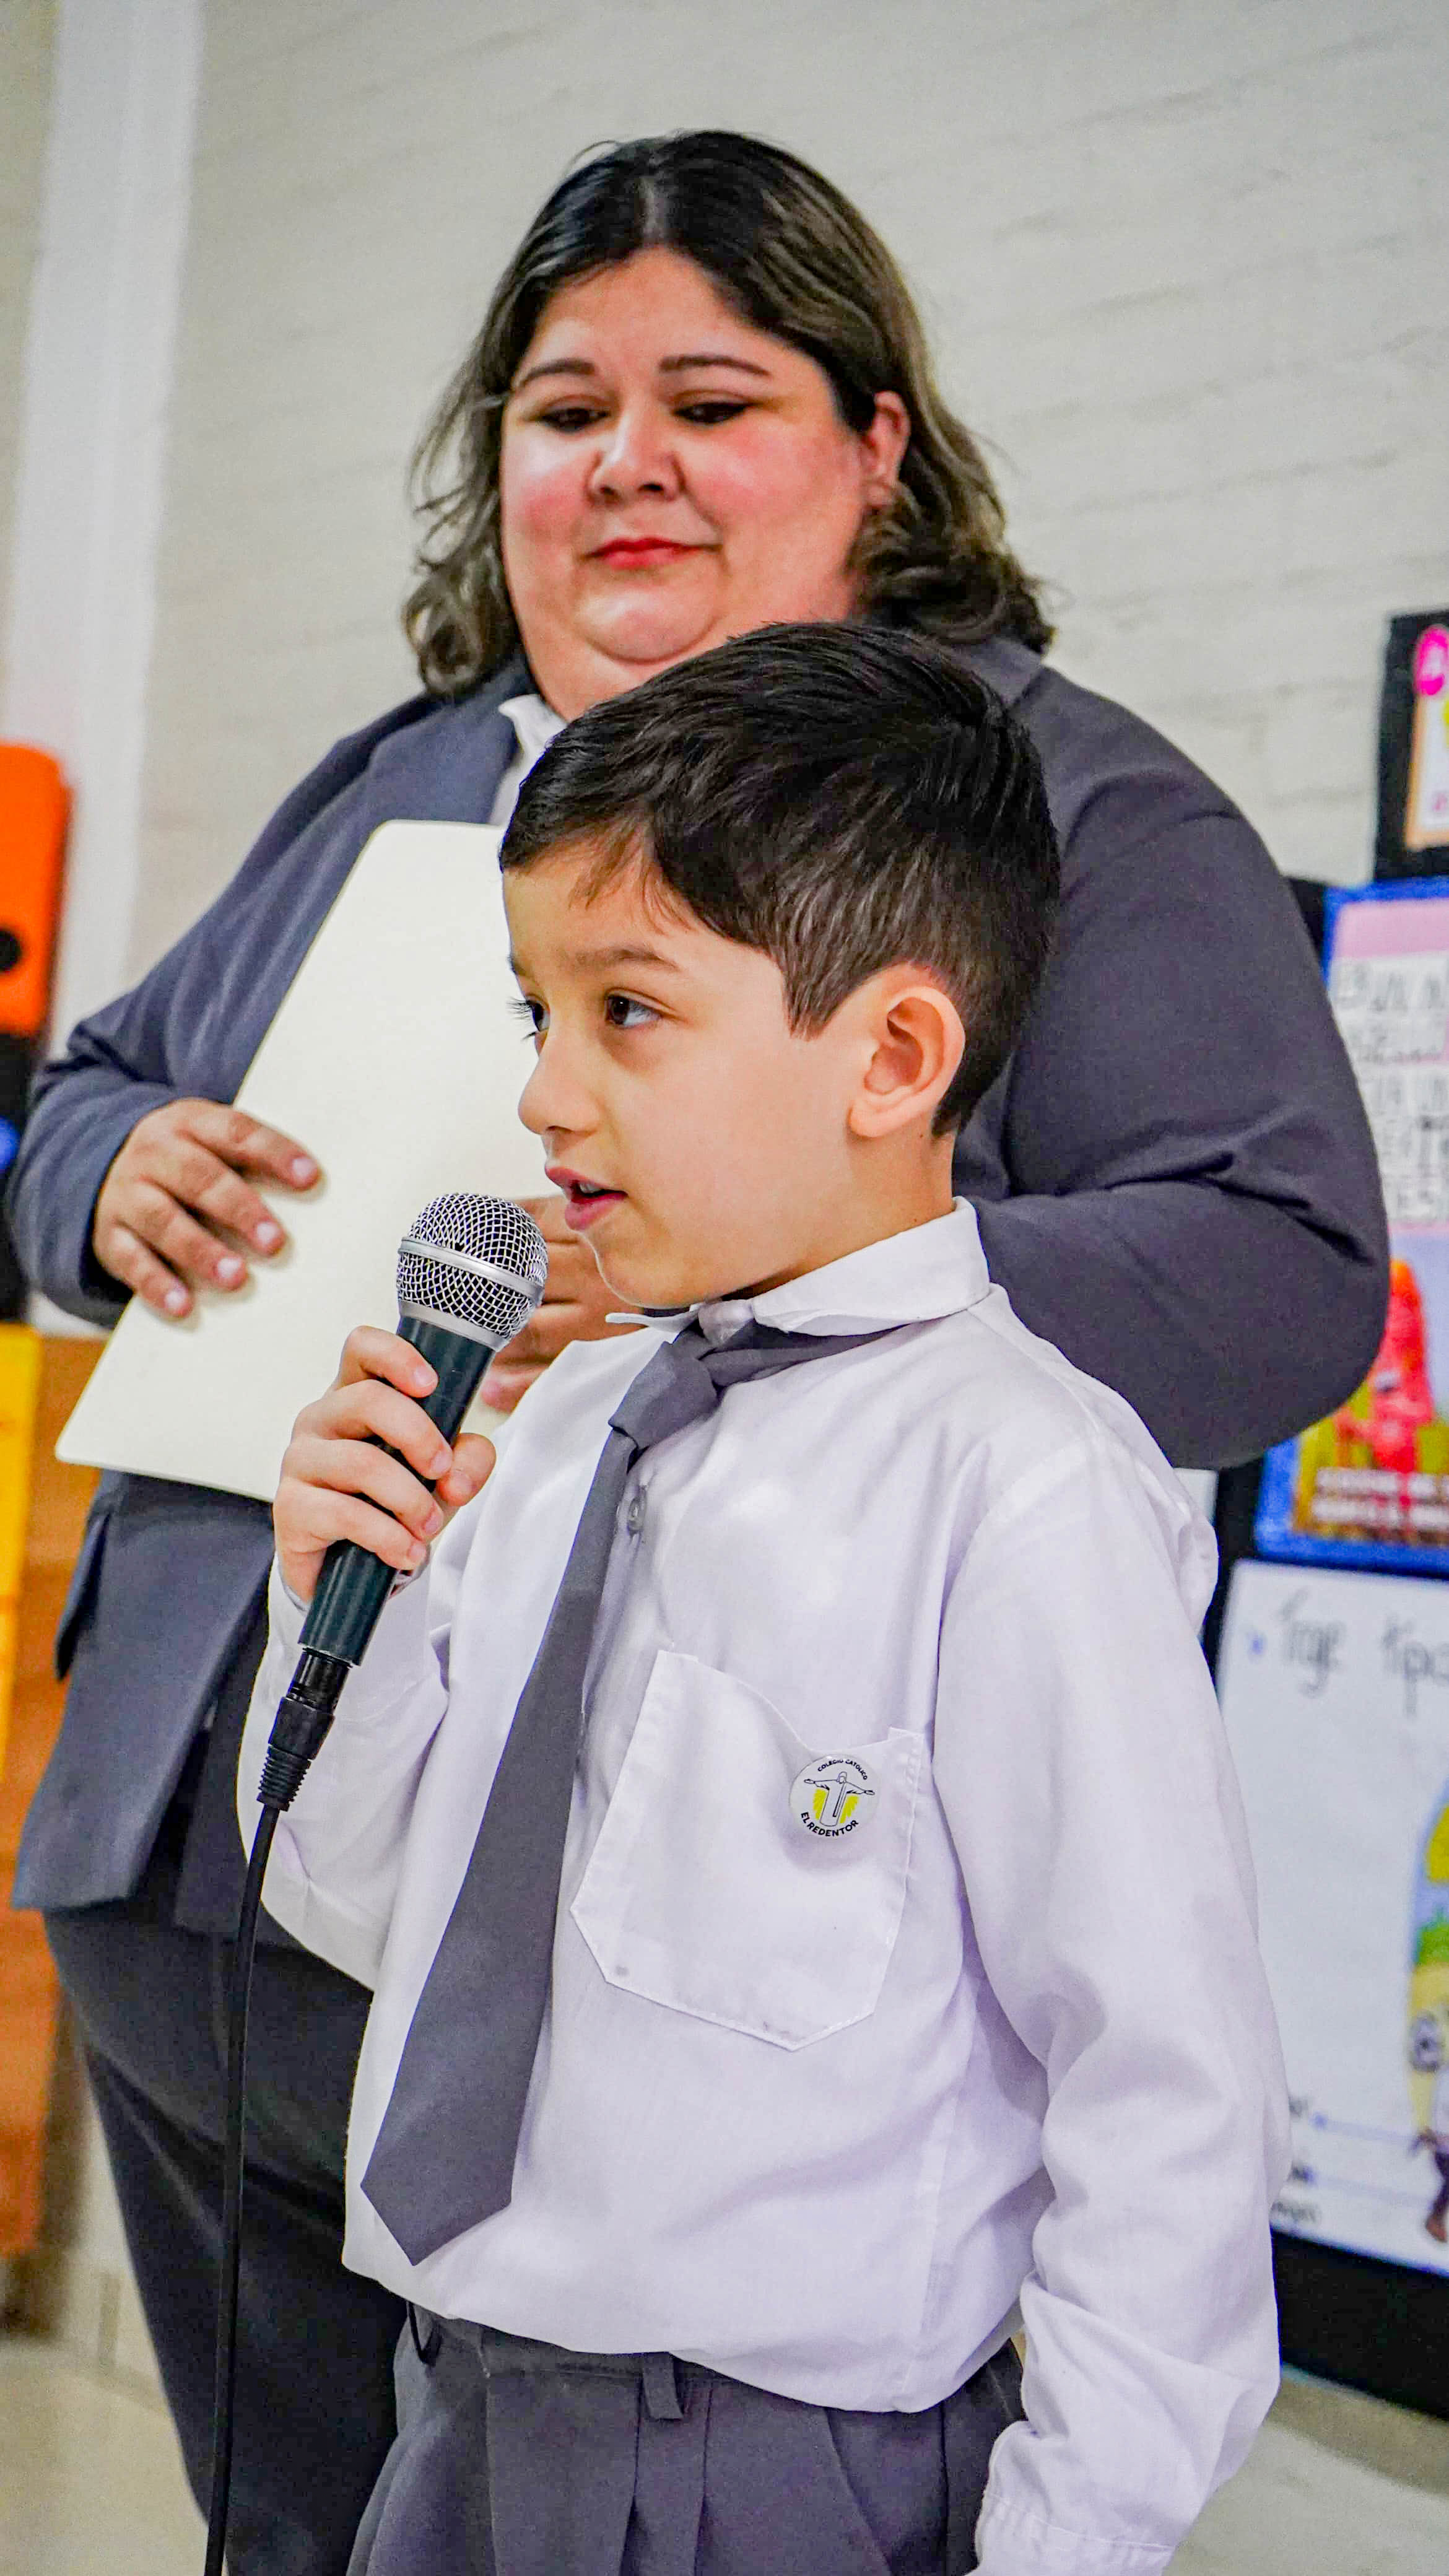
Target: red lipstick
[(640, 550)]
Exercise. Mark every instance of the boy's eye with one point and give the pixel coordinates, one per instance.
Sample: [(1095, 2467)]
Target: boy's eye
[(533, 1013), (623, 1012)]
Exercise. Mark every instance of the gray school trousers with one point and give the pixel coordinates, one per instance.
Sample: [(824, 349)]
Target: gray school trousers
[(517, 2459)]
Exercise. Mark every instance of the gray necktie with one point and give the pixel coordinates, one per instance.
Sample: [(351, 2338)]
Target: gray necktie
[(444, 2155)]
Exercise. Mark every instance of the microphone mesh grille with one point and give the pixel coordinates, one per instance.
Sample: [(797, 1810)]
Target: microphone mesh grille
[(481, 1229)]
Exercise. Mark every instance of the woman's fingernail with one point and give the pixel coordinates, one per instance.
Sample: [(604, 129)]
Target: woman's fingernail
[(442, 1461), (416, 1551), (433, 1520), (268, 1235), (301, 1169), (229, 1270), (175, 1301)]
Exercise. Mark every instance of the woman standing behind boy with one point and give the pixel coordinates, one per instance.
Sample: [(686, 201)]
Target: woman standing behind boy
[(701, 403)]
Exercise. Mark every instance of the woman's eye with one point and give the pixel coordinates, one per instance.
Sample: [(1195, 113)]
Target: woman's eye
[(710, 414), (623, 1012), (570, 417)]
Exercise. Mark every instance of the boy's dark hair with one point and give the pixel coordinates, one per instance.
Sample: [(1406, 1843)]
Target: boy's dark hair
[(842, 797)]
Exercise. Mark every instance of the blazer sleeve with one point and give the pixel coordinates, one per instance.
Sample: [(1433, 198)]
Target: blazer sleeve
[(189, 1028), (1192, 1210)]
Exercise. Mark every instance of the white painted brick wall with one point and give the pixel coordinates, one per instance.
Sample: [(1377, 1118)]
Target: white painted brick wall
[(27, 34), (1183, 259)]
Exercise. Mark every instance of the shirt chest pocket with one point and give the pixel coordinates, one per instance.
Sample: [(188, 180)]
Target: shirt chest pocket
[(706, 1891)]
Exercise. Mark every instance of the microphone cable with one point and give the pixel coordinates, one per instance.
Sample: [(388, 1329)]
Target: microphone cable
[(223, 2397), (298, 1733)]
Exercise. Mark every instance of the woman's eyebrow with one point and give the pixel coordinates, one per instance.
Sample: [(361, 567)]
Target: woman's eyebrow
[(555, 367), (667, 366), (709, 358)]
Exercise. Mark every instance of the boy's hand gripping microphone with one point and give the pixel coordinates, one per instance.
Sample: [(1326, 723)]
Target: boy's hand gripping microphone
[(470, 1271)]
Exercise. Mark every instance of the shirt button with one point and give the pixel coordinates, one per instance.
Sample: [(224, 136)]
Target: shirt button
[(634, 1518)]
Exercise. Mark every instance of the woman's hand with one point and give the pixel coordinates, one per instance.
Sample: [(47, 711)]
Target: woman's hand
[(336, 1484), (575, 1302), (174, 1206)]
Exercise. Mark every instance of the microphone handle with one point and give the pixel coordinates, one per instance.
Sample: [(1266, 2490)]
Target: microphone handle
[(353, 1585)]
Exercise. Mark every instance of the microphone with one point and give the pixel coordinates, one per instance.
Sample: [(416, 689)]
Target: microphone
[(470, 1272)]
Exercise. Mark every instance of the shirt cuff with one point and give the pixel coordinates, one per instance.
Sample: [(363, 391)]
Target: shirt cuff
[(285, 1613), (1012, 2543), (395, 1661), (400, 1583)]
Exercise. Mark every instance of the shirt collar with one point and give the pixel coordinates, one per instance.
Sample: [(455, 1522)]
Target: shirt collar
[(911, 1278), (534, 724), (1007, 666)]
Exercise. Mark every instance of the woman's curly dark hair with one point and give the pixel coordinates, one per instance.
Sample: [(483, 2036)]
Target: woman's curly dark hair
[(792, 256)]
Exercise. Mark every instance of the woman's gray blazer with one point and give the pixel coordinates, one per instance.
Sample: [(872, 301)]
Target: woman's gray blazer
[(1174, 1178)]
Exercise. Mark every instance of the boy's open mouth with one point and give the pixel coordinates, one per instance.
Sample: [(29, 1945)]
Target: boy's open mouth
[(584, 1201)]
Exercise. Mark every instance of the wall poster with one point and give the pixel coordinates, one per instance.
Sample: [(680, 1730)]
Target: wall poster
[(1369, 1486), (1413, 818), (1335, 1694)]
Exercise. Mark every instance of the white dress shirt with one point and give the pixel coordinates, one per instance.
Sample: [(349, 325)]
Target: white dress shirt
[(812, 2109), (534, 726)]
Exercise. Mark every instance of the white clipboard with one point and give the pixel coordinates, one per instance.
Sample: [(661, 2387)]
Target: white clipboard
[(397, 1062)]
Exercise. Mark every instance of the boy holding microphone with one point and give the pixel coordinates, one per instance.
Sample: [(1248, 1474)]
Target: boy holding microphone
[(846, 1951)]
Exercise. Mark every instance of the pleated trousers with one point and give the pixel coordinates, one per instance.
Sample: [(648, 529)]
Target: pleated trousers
[(518, 2459)]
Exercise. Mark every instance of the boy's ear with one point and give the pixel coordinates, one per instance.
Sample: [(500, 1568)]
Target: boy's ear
[(915, 1042)]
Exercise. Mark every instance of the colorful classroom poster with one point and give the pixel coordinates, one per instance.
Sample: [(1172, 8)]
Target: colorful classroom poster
[(1413, 815), (1426, 810), (1335, 1694), (1370, 1485)]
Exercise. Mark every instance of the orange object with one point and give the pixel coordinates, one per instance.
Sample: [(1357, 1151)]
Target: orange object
[(56, 1515), (34, 805), (1400, 1400)]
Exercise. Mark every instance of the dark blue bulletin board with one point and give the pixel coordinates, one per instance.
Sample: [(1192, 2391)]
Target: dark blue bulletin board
[(1369, 1487)]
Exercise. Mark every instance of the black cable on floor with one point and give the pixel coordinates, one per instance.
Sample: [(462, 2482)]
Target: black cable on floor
[(224, 2391), (299, 1729)]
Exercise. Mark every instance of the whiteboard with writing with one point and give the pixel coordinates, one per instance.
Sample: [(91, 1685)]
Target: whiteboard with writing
[(396, 1059), (1335, 1693)]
